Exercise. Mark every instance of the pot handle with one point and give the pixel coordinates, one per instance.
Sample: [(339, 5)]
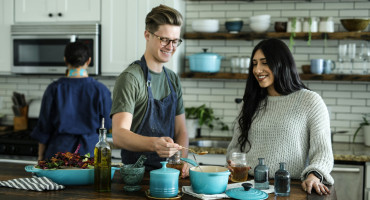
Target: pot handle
[(31, 168), (189, 161), (205, 50)]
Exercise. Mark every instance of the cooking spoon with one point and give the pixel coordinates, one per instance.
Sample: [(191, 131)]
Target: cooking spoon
[(198, 153)]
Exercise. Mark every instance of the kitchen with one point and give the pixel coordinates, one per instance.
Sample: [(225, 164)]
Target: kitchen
[(346, 99)]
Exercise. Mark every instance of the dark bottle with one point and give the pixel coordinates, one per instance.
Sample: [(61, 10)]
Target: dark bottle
[(282, 181), (102, 162), (261, 175)]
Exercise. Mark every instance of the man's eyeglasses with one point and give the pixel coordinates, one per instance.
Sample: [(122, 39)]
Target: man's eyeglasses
[(166, 41)]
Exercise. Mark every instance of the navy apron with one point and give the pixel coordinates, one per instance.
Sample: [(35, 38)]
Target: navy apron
[(158, 121)]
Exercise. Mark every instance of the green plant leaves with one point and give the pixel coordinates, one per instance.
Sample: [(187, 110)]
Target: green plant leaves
[(205, 116)]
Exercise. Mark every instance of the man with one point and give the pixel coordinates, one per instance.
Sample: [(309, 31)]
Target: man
[(147, 112)]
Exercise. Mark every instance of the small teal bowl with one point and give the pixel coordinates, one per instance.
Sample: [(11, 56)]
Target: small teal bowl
[(234, 26), (67, 176)]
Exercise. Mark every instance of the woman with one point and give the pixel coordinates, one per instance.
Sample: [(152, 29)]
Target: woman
[(283, 121), (72, 108)]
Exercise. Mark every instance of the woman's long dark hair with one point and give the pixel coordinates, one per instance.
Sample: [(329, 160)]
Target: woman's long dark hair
[(286, 81)]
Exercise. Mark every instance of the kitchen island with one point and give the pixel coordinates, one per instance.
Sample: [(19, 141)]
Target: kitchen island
[(13, 170)]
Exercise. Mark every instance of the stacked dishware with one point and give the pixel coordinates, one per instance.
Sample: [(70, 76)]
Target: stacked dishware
[(260, 23)]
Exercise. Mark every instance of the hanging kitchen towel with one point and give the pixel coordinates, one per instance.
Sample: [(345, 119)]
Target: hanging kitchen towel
[(189, 190), (36, 184)]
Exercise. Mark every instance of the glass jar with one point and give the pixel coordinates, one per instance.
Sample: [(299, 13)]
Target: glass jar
[(261, 175), (239, 167), (294, 25), (310, 24), (282, 181), (175, 162), (326, 25)]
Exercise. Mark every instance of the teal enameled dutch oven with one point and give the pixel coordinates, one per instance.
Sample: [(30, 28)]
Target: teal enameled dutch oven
[(205, 62), (209, 179), (164, 182)]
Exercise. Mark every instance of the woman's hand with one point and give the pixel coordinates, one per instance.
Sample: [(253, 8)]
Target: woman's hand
[(185, 170), (312, 182)]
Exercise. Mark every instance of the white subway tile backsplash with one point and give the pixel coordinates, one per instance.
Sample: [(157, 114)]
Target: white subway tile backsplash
[(336, 94), (227, 91), (310, 6), (354, 13), (197, 90), (352, 102), (363, 109), (211, 98)]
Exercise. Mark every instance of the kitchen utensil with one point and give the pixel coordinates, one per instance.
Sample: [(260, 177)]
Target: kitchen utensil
[(164, 182), (147, 193), (139, 162), (317, 66), (329, 65), (239, 165), (259, 27), (211, 180), (280, 26), (355, 24), (234, 25), (196, 152), (246, 193), (175, 162), (294, 25), (132, 177), (67, 176), (205, 25), (205, 62), (326, 25), (194, 163)]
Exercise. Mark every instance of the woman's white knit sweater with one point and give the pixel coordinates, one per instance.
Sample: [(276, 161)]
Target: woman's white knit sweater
[(294, 129)]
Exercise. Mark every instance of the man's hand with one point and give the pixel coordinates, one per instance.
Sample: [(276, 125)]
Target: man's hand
[(165, 147)]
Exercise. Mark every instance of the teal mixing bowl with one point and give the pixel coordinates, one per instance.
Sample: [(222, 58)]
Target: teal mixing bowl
[(67, 176)]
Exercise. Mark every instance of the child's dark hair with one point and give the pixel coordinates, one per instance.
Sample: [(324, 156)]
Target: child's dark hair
[(76, 54)]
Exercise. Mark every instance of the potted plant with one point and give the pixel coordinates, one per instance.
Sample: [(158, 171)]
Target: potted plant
[(202, 115), (366, 127)]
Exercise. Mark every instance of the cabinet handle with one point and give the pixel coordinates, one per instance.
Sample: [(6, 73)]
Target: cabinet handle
[(50, 15), (60, 14), (338, 169)]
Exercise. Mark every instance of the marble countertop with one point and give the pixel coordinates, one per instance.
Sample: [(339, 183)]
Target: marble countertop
[(357, 152)]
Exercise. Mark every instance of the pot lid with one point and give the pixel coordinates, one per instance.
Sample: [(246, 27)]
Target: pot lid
[(205, 54), (246, 193), (164, 170)]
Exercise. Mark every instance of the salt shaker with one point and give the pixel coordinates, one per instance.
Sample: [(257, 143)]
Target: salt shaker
[(282, 181)]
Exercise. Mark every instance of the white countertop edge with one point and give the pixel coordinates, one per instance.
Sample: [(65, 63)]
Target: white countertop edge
[(18, 161)]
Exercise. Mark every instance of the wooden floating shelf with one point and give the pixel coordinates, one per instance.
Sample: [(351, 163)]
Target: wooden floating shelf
[(323, 77), (280, 35)]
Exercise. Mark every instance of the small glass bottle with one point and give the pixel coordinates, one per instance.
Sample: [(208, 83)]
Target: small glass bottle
[(261, 175), (102, 162), (282, 181)]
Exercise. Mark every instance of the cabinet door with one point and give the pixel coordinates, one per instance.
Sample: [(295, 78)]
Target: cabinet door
[(348, 181), (35, 10), (6, 19), (81, 10), (57, 10)]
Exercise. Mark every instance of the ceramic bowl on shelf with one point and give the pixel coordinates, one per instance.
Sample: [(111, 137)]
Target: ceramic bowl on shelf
[(260, 27), (260, 18), (355, 24), (205, 25), (234, 25)]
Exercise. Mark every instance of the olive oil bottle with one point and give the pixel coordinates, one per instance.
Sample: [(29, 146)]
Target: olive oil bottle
[(102, 162)]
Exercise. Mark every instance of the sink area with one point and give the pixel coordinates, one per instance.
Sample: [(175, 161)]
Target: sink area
[(210, 143)]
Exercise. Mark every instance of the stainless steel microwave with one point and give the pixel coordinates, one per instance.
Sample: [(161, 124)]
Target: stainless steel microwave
[(39, 49)]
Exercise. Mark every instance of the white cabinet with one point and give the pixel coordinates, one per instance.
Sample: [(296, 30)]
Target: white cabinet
[(348, 181), (123, 25), (6, 19), (57, 10)]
